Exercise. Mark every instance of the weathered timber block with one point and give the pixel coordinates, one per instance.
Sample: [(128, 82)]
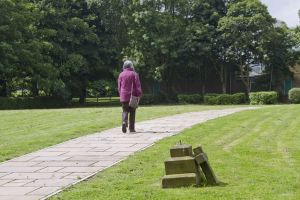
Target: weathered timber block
[(209, 173), (180, 180), (180, 165), (198, 150), (181, 150), (201, 158), (201, 175)]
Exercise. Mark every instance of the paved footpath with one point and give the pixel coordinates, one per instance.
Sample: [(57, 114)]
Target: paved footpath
[(41, 174)]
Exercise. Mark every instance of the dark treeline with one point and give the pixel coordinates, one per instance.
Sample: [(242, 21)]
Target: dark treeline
[(71, 48)]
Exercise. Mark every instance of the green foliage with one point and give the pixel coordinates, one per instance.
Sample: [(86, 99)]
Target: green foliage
[(190, 98), (82, 47), (179, 34), (61, 48), (24, 51), (296, 38), (294, 95), (259, 98), (243, 30), (151, 99), (31, 102), (239, 98), (102, 88), (280, 49), (225, 99)]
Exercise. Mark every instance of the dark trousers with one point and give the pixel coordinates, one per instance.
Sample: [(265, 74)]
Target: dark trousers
[(128, 111)]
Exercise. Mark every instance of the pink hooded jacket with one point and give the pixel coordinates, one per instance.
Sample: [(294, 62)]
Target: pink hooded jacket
[(129, 82)]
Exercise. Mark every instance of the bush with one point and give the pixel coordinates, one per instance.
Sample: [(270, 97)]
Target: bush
[(31, 102), (239, 98), (224, 99), (259, 98), (294, 95), (190, 98), (149, 99)]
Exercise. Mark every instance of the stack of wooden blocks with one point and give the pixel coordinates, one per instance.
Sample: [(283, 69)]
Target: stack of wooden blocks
[(188, 167)]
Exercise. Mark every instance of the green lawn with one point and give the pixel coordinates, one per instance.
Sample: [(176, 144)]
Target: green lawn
[(256, 154), (24, 131)]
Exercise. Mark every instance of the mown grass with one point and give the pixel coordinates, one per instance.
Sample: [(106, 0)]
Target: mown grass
[(24, 131), (256, 154)]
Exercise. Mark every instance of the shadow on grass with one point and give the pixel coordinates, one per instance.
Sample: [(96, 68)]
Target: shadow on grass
[(220, 184)]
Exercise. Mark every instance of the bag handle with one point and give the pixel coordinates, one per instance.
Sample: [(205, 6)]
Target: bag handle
[(133, 83)]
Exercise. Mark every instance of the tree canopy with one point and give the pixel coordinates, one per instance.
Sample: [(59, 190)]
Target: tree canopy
[(66, 48)]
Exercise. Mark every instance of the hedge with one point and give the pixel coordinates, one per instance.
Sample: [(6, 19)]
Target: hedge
[(31, 102), (294, 95), (225, 99), (149, 99), (259, 98), (190, 98)]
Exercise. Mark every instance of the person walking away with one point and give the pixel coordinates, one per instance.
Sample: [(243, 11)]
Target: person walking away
[(128, 84)]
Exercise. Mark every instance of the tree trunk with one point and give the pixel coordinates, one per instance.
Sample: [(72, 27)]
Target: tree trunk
[(248, 81), (203, 79), (271, 79), (245, 79), (224, 87), (230, 82), (82, 96), (223, 79), (3, 88), (203, 89), (222, 75), (34, 89)]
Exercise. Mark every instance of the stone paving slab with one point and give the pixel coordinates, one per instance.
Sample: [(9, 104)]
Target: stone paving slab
[(41, 174)]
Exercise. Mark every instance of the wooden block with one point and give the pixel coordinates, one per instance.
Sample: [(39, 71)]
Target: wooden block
[(209, 173), (180, 165), (180, 180), (201, 158), (198, 150), (181, 150)]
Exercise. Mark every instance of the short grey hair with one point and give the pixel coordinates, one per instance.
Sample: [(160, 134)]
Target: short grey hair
[(128, 64)]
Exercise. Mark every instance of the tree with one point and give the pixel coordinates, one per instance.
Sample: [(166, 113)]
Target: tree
[(210, 12), (155, 31), (279, 54), (243, 29), (23, 53), (170, 40), (83, 48)]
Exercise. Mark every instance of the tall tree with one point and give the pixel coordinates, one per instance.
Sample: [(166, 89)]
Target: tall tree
[(279, 54), (243, 29), (23, 52), (208, 13), (82, 44), (155, 31)]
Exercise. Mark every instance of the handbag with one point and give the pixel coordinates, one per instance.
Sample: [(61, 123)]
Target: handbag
[(134, 100)]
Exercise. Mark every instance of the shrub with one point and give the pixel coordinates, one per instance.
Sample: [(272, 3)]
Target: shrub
[(190, 98), (210, 100), (294, 95), (239, 98), (149, 99), (259, 98), (31, 102), (224, 99)]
